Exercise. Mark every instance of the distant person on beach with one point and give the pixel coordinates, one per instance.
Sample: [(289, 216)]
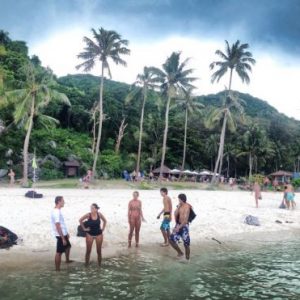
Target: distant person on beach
[(181, 230), (167, 216), (11, 176), (290, 197), (87, 179), (91, 224), (266, 182), (60, 232), (283, 203), (257, 193), (135, 218), (133, 176)]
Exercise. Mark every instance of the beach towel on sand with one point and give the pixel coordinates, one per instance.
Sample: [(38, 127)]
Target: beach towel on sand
[(11, 238), (251, 220)]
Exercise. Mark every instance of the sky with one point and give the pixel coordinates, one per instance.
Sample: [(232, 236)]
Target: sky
[(54, 30)]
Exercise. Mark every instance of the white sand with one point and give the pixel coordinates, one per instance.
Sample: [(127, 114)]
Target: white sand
[(219, 214)]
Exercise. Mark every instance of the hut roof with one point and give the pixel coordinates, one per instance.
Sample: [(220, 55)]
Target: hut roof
[(165, 170), (282, 173), (71, 163)]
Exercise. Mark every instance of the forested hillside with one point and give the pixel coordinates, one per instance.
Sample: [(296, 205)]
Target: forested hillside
[(272, 138)]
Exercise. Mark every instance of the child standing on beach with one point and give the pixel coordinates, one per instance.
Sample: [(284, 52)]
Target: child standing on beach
[(257, 193)]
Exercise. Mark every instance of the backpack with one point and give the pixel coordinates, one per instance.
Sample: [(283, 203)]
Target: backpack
[(192, 215)]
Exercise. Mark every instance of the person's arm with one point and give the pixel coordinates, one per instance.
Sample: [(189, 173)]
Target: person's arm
[(129, 211), (142, 215), (59, 230), (104, 221), (81, 222), (171, 208), (160, 213)]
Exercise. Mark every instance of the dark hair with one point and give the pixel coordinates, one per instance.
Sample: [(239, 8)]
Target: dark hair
[(58, 199), (182, 197), (164, 190), (95, 205), (285, 187)]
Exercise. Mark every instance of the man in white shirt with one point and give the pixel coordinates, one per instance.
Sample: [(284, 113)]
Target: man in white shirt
[(61, 233)]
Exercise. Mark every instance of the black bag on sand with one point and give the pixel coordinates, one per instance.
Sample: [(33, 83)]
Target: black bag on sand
[(33, 194), (11, 238)]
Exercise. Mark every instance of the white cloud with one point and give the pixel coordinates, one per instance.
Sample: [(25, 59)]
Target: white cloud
[(274, 77)]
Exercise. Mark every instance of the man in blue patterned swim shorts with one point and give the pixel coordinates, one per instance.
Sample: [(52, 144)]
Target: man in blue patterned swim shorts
[(167, 212), (181, 230)]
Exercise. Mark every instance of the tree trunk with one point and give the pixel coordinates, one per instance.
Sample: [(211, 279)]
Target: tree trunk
[(250, 165), (141, 130), (219, 162), (228, 165), (120, 135), (221, 149), (100, 123), (26, 143), (165, 136), (184, 141)]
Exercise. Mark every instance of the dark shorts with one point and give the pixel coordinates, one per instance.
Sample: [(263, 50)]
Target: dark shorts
[(183, 234), (60, 247)]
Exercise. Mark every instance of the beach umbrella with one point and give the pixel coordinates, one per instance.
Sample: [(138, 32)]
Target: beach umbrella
[(175, 171), (195, 173), (187, 172)]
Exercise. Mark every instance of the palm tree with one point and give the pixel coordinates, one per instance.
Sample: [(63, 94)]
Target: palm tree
[(30, 102), (227, 114), (174, 76), (190, 105), (144, 82), (256, 146), (107, 44), (236, 58)]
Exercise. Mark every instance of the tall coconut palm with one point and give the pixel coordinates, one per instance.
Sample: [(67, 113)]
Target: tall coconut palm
[(236, 58), (230, 111), (173, 77), (189, 105), (106, 45), (30, 102), (145, 81)]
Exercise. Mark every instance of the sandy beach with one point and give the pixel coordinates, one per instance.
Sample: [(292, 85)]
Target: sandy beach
[(220, 215)]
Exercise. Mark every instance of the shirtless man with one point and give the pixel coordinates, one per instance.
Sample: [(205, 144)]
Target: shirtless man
[(167, 212), (181, 230), (257, 193), (135, 217)]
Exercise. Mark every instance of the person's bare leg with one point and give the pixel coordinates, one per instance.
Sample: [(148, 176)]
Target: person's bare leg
[(256, 202), (67, 253), (57, 261), (187, 252), (165, 235), (176, 247), (131, 229), (99, 240), (137, 232), (89, 245)]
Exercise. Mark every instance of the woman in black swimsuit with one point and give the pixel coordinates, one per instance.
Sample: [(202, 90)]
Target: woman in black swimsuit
[(92, 227)]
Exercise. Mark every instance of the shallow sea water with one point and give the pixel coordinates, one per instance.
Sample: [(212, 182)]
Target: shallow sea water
[(268, 271)]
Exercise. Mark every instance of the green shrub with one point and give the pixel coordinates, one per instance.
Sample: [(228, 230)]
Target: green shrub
[(48, 174), (296, 182)]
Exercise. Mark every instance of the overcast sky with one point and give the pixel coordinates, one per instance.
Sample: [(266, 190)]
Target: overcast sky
[(54, 30)]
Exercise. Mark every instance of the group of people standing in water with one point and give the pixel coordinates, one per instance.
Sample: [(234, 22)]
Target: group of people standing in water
[(94, 224)]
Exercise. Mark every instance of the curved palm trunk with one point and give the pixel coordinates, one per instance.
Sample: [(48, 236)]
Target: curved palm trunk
[(165, 136), (141, 131), (219, 162), (184, 142), (221, 148), (100, 122), (26, 144), (250, 165)]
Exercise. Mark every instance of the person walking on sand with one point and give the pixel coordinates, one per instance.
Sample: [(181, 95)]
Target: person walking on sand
[(135, 218), (181, 230), (11, 176), (60, 231), (167, 216), (87, 179), (93, 230), (257, 193)]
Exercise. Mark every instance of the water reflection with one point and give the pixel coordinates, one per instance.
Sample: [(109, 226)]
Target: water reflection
[(270, 272)]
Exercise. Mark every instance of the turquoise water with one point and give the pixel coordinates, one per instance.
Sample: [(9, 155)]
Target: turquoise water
[(265, 272)]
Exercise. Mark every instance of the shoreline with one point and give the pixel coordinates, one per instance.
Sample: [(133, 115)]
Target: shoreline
[(220, 215)]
